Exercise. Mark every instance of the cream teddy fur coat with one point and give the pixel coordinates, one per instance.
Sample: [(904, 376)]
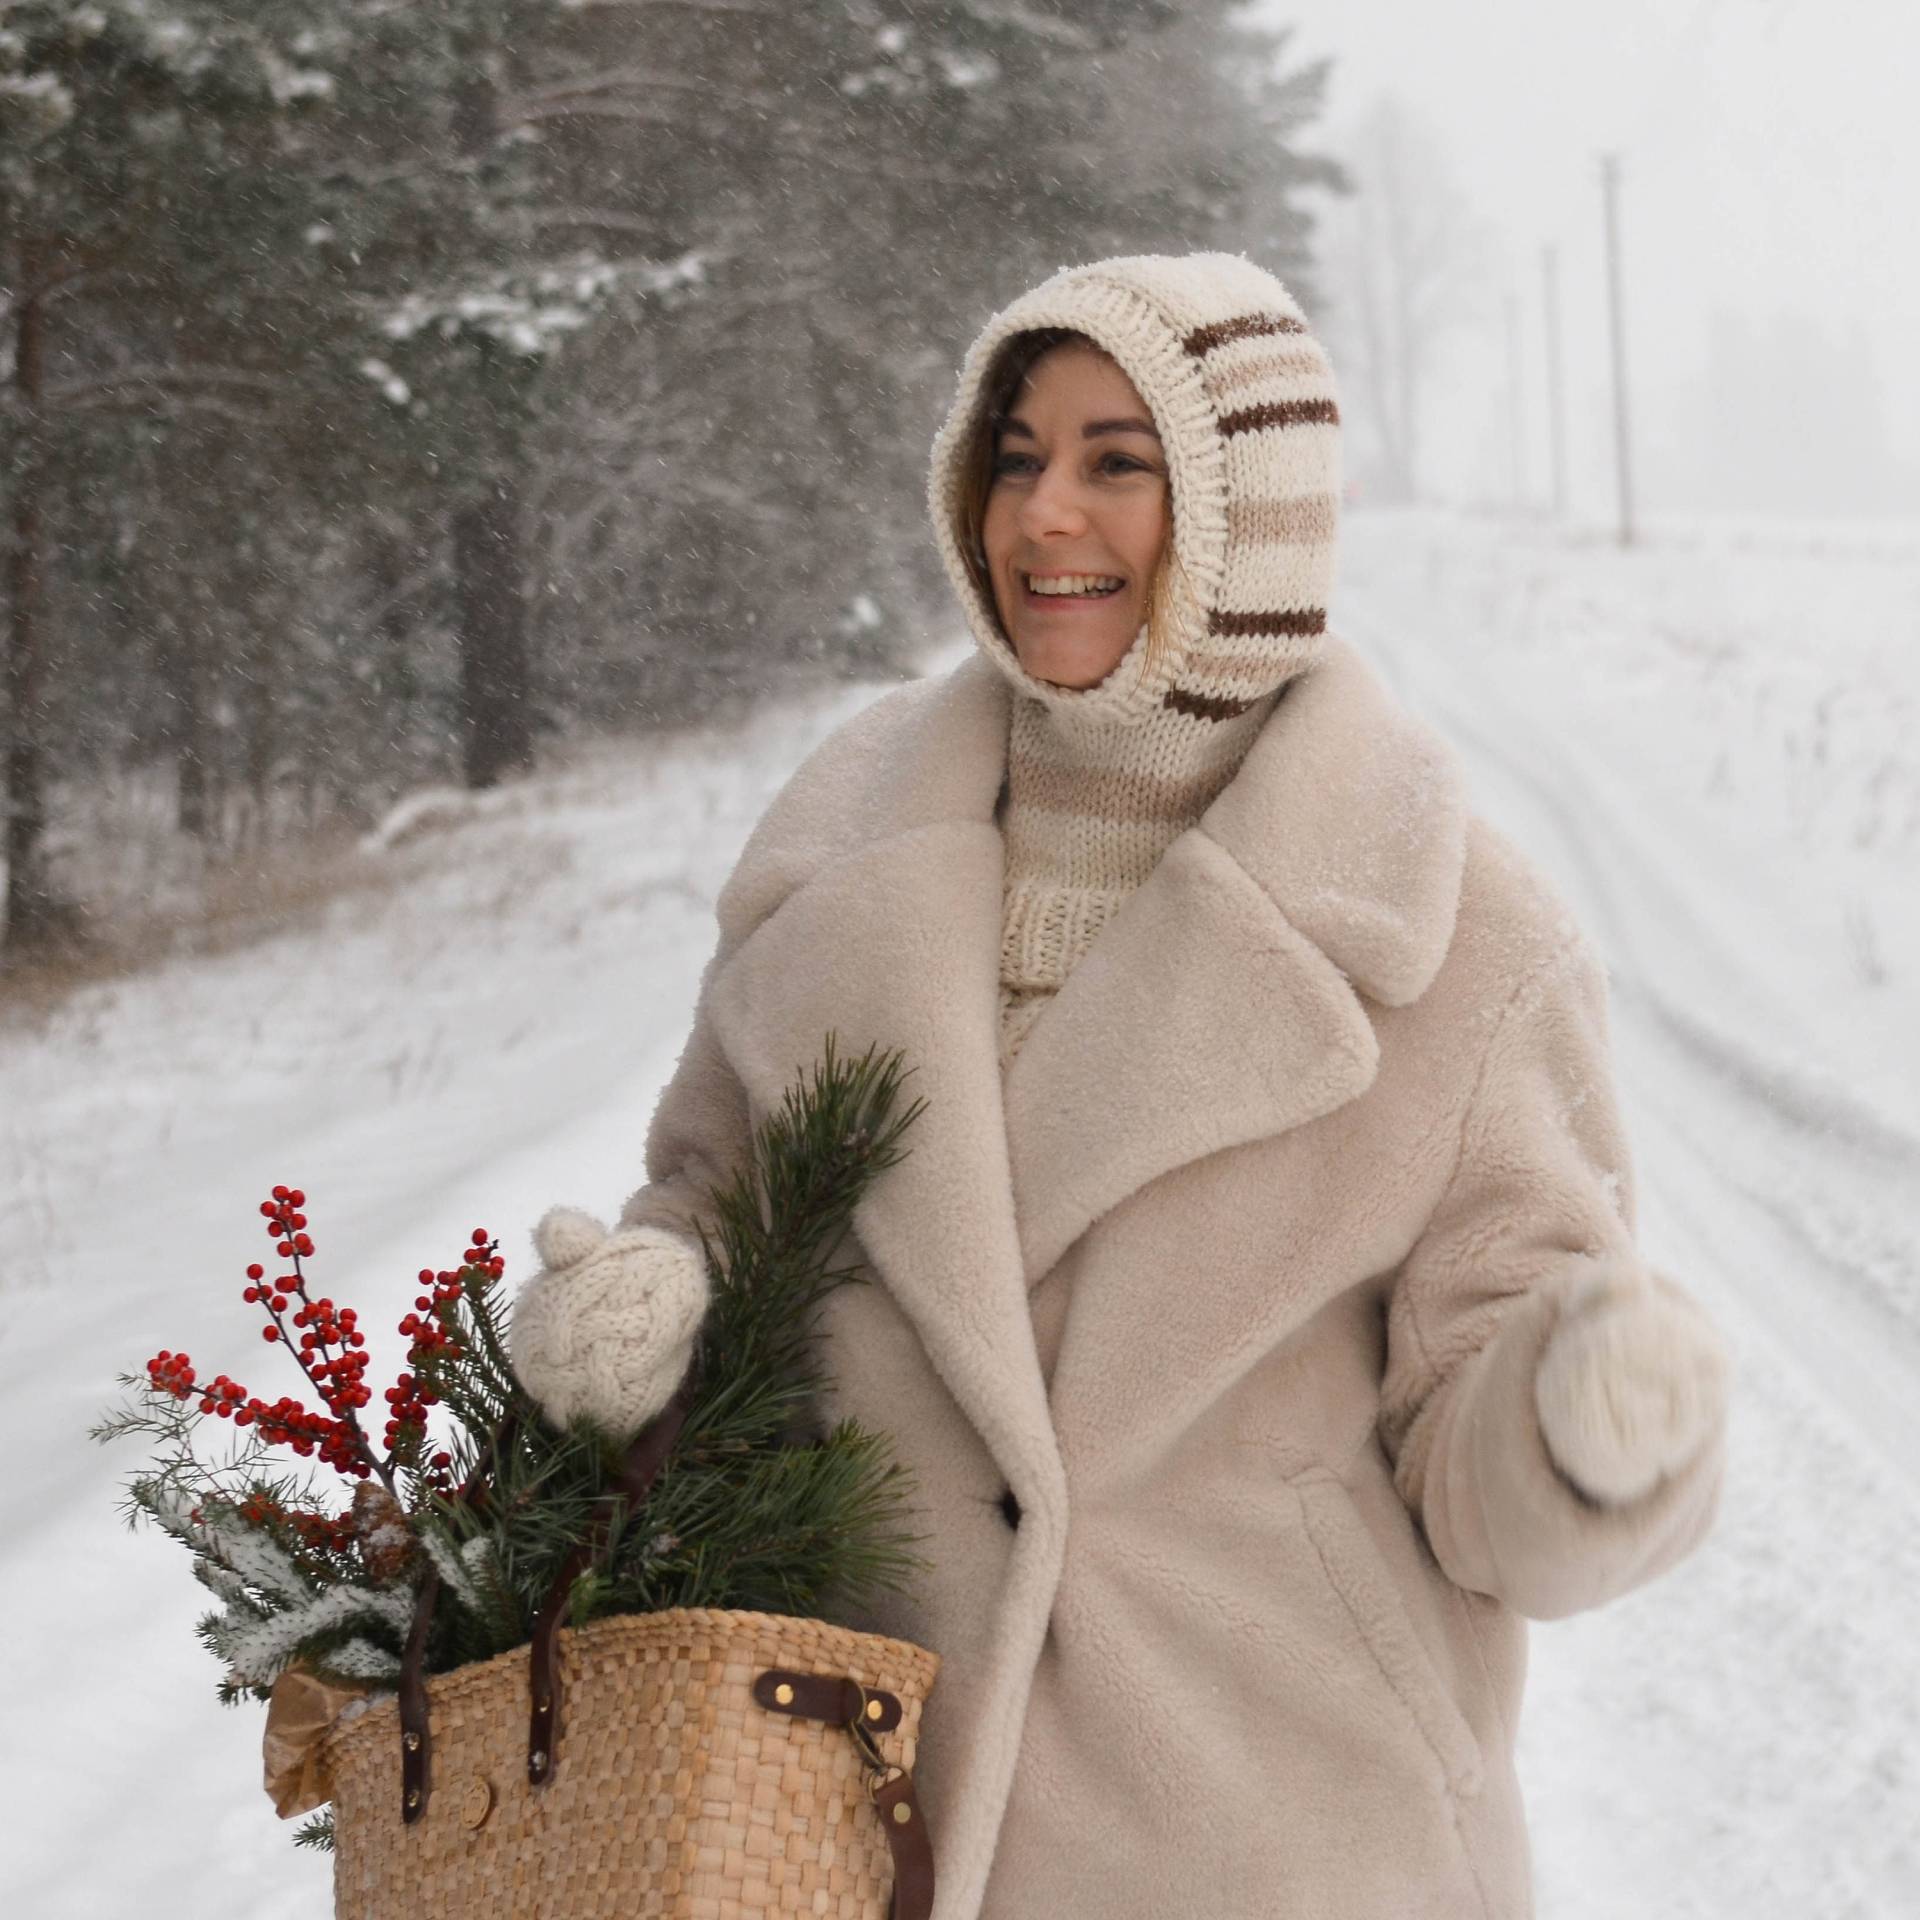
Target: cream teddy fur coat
[(1320, 1137)]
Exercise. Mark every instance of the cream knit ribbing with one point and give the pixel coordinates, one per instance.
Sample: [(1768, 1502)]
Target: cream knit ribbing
[(1102, 779), (1089, 812)]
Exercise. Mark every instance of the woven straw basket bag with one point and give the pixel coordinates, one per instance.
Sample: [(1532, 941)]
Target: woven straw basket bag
[(690, 1764)]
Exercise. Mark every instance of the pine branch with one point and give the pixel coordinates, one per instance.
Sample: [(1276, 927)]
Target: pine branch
[(316, 1831)]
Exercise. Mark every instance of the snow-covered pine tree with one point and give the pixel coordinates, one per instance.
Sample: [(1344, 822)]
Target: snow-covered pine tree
[(148, 244)]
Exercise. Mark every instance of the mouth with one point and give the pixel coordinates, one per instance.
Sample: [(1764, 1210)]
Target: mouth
[(1062, 592)]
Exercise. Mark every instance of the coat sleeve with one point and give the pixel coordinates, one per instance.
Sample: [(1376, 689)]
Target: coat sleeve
[(700, 1134), (1541, 1194)]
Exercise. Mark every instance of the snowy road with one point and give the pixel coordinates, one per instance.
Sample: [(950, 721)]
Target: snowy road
[(1735, 813), (1736, 1739)]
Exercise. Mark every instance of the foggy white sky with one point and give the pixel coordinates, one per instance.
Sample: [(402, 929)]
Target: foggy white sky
[(1770, 164)]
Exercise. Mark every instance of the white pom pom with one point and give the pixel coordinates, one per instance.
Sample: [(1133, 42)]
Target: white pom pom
[(565, 1236), (1632, 1384)]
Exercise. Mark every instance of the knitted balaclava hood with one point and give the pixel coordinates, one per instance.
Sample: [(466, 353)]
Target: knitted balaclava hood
[(1101, 779)]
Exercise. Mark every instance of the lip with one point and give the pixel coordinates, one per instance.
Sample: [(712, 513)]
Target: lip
[(1065, 602)]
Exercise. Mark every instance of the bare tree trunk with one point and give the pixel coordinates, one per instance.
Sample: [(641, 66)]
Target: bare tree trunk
[(1383, 367), (34, 915), (190, 791), (1413, 263), (496, 719), (394, 618), (258, 721), (495, 682), (193, 802)]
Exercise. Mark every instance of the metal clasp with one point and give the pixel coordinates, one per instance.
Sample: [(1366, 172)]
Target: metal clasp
[(880, 1770)]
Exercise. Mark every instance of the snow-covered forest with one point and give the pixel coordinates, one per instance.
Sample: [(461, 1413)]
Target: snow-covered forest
[(393, 389), (458, 459)]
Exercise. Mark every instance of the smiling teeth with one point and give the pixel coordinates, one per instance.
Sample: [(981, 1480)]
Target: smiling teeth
[(1074, 583)]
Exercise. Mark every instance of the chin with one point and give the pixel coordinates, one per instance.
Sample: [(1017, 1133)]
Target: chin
[(1076, 682), (1063, 667)]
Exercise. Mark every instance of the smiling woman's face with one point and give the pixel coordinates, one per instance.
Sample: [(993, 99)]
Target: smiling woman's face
[(1080, 499)]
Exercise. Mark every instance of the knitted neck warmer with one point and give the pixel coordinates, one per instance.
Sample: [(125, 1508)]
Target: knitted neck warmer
[(1088, 812), (1102, 779)]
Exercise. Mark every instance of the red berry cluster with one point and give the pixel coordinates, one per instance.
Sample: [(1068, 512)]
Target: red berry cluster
[(329, 1533), (433, 1331), (329, 1348), (171, 1372), (331, 1351), (283, 1423)]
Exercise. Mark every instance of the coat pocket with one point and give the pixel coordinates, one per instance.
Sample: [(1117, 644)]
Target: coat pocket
[(1359, 1577)]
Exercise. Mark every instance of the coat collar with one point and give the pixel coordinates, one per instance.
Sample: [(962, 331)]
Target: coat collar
[(1222, 1003)]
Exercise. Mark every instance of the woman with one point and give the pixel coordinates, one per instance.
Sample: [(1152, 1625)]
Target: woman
[(1259, 1309)]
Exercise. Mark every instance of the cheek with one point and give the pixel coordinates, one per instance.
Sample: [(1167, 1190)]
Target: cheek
[(996, 527), (994, 534), (1144, 535)]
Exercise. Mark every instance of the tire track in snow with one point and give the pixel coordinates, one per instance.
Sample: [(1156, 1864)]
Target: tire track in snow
[(1817, 1103)]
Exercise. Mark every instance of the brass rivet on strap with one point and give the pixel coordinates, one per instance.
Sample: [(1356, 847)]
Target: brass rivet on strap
[(413, 1743), (874, 1709), (413, 1796), (902, 1813), (546, 1703), (784, 1694), (477, 1803)]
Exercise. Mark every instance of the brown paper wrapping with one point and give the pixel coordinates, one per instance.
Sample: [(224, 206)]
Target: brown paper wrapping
[(301, 1708)]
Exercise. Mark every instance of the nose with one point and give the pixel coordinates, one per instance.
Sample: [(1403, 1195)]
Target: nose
[(1053, 505)]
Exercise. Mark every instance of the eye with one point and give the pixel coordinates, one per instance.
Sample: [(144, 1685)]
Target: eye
[(1107, 463)]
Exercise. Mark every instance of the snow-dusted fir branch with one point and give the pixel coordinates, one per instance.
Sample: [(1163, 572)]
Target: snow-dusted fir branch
[(258, 1651), (362, 1660), (451, 1565)]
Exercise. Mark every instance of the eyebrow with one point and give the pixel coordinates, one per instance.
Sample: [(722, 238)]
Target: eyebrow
[(1011, 423)]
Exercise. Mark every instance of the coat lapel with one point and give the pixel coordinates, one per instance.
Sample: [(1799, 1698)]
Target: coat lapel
[(891, 937), (1222, 1003)]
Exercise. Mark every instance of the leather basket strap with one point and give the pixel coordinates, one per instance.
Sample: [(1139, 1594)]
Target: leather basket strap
[(413, 1704), (415, 1741), (826, 1696), (863, 1711), (911, 1846), (645, 1457)]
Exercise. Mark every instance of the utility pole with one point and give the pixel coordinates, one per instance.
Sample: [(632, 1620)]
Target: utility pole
[(1556, 397), (1516, 413), (1622, 445)]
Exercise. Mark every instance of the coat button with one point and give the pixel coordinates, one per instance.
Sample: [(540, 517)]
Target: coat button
[(1009, 1507)]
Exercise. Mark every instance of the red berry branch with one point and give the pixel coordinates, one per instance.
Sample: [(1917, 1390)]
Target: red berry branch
[(330, 1349)]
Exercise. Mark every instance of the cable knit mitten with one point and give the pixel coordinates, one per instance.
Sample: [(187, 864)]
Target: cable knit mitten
[(1631, 1385), (607, 1331)]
